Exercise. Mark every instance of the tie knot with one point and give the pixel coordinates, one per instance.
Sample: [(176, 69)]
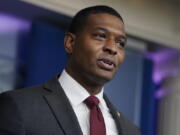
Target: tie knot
[(91, 101)]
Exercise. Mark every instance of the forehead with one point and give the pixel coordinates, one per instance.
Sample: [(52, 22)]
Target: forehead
[(108, 21)]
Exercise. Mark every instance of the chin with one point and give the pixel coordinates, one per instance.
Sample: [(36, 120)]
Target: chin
[(101, 76), (105, 77)]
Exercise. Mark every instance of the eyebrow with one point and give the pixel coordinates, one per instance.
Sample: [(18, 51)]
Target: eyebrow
[(106, 30)]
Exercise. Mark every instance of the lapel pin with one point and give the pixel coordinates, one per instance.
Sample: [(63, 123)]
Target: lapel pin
[(118, 113)]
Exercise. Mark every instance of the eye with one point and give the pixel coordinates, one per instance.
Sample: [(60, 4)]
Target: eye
[(99, 36), (120, 43)]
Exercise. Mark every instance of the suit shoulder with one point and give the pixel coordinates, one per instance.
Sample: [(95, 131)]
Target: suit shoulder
[(23, 91), (129, 126), (23, 95)]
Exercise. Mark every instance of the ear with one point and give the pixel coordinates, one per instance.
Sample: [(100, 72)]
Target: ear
[(69, 41)]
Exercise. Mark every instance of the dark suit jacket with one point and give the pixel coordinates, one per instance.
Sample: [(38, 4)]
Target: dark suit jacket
[(45, 110)]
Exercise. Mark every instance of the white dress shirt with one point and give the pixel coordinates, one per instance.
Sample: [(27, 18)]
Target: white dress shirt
[(76, 95)]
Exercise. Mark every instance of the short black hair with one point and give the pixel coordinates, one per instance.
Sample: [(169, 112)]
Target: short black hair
[(79, 20)]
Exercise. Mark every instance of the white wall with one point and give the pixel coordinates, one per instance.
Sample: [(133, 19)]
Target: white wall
[(169, 111), (10, 29), (169, 94), (7, 60)]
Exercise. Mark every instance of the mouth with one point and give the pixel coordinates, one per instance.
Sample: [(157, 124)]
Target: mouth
[(106, 64)]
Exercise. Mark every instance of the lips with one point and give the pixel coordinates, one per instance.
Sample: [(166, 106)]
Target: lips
[(106, 64)]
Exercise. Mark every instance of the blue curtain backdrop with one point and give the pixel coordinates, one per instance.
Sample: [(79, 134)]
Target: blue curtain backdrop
[(46, 56), (148, 101), (126, 88)]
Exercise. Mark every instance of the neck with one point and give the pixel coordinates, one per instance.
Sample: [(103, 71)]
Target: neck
[(92, 87)]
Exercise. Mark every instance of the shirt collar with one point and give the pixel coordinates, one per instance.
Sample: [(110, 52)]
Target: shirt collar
[(75, 92)]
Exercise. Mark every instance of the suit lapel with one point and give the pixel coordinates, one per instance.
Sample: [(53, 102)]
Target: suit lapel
[(116, 115), (61, 108)]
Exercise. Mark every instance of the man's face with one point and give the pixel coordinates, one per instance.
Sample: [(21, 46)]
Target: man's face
[(98, 50)]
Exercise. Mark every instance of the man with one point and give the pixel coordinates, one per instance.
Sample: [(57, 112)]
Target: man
[(74, 103)]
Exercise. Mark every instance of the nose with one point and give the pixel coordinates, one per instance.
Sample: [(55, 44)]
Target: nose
[(110, 47)]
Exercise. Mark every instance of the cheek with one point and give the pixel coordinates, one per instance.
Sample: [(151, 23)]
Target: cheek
[(121, 57), (87, 52), (90, 50), (83, 57)]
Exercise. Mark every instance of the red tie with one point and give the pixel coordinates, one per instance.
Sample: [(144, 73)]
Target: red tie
[(97, 126)]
